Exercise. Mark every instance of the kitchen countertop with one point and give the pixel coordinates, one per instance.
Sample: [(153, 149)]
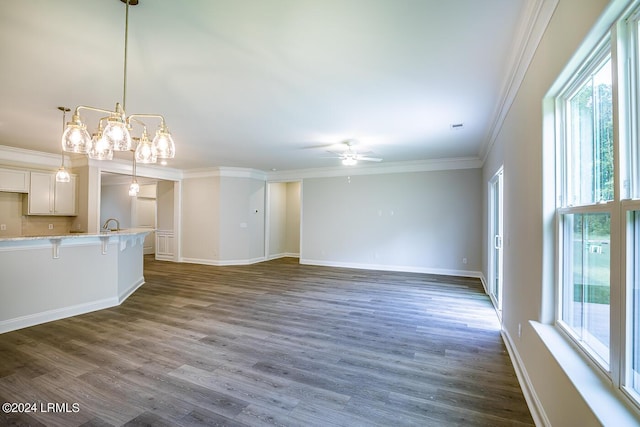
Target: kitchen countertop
[(123, 232)]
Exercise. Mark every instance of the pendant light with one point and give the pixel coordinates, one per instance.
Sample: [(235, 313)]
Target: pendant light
[(134, 187), (62, 175), (116, 134)]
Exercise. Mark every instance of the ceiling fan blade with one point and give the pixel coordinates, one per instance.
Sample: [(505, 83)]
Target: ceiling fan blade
[(369, 159)]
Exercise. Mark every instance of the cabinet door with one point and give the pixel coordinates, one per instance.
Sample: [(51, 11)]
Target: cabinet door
[(14, 180), (65, 197), (41, 193)]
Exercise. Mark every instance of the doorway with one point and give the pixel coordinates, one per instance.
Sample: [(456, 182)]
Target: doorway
[(282, 231), (496, 186), (143, 215)]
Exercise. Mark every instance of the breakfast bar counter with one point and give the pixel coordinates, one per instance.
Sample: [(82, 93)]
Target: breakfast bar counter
[(45, 278)]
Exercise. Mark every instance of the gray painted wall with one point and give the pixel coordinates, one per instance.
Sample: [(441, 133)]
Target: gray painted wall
[(200, 219), (418, 221), (519, 147), (115, 202), (165, 200), (241, 219)]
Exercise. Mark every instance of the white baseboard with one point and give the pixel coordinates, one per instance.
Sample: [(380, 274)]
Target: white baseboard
[(400, 268), (530, 396), (283, 255), (56, 314), (127, 293), (64, 312), (484, 283)]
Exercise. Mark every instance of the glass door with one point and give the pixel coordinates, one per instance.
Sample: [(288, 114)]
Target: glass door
[(495, 241)]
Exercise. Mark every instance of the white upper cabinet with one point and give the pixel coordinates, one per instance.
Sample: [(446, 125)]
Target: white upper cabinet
[(48, 197), (15, 181)]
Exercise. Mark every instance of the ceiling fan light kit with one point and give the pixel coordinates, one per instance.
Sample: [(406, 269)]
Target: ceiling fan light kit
[(115, 127), (350, 157)]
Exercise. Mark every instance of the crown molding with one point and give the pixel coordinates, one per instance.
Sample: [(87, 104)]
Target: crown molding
[(13, 156), (227, 172), (533, 23), (376, 169), (124, 167)]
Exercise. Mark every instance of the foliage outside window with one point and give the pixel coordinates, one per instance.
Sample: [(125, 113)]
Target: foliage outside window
[(586, 108)]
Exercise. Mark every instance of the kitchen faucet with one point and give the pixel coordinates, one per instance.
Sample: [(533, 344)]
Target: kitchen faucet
[(106, 224)]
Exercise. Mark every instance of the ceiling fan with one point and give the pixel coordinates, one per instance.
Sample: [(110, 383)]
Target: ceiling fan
[(349, 156)]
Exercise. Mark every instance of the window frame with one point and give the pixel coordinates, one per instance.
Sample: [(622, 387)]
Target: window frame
[(602, 53)]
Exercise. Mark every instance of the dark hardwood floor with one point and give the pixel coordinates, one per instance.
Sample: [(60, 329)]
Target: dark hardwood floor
[(275, 343)]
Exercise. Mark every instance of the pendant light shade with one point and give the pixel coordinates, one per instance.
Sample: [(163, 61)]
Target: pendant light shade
[(62, 175), (163, 144), (75, 138), (134, 188), (116, 134), (100, 148), (145, 151)]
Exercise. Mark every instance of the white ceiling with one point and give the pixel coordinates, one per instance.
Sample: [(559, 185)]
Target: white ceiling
[(266, 84)]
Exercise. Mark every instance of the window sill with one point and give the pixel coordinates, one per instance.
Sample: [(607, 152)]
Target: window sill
[(607, 403)]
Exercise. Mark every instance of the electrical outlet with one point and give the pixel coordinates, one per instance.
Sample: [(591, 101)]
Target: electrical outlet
[(3, 227), (519, 330), (464, 260), (50, 226)]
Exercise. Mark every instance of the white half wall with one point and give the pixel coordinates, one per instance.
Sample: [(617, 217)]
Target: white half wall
[(419, 221)]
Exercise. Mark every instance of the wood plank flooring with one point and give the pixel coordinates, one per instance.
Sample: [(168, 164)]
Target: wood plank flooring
[(271, 344)]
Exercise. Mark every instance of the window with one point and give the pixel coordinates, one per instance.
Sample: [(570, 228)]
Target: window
[(587, 188), (597, 116), (586, 291)]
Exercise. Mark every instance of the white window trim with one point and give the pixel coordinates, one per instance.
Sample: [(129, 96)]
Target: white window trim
[(605, 396)]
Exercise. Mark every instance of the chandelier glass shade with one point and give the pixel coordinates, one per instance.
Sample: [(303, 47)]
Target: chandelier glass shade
[(116, 134), (99, 148), (163, 143), (75, 138), (145, 152)]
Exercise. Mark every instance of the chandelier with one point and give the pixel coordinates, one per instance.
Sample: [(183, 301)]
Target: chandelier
[(114, 129)]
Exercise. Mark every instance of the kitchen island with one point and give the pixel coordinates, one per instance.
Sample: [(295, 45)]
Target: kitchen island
[(45, 278)]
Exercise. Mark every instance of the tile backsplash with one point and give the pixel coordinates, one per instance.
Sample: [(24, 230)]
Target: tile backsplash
[(39, 225), (14, 224), (10, 214)]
